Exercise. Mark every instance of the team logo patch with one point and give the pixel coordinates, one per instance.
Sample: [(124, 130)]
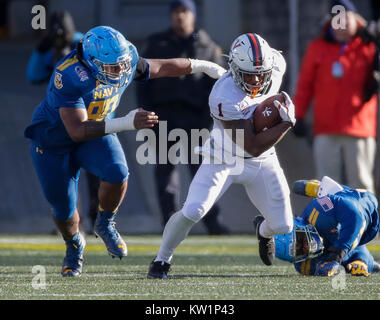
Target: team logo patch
[(325, 203), (58, 80), (267, 112), (82, 74)]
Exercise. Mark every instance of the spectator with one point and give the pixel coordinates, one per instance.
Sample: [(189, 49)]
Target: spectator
[(60, 39), (182, 102), (337, 72)]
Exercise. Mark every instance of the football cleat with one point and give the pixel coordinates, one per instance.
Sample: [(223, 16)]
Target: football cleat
[(158, 270), (266, 246), (105, 229), (73, 261), (316, 188)]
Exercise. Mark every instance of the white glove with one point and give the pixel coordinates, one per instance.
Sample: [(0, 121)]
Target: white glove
[(212, 69), (286, 110), (121, 124)]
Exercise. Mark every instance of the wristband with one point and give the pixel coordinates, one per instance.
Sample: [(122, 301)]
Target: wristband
[(121, 124)]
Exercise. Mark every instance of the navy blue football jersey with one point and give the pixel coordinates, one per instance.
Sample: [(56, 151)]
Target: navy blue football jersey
[(72, 86)]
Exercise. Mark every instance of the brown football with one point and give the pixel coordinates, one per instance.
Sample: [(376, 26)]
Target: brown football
[(266, 114)]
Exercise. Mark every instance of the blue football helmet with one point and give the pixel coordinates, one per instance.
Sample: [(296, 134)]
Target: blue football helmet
[(304, 242), (110, 57)]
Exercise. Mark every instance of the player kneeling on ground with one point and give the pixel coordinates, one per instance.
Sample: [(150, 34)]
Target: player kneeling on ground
[(332, 230)]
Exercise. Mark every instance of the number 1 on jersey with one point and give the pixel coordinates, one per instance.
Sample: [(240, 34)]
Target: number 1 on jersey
[(220, 110)]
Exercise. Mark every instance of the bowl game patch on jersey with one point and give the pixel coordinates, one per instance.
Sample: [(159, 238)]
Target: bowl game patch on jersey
[(58, 80)]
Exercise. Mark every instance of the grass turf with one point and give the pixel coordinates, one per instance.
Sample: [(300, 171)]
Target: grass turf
[(204, 268)]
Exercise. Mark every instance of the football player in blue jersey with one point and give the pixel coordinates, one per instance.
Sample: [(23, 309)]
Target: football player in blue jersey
[(71, 129), (332, 230)]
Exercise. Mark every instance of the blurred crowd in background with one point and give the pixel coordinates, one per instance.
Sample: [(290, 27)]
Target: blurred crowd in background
[(333, 76)]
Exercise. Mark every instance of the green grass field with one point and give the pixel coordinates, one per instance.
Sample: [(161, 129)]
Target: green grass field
[(204, 268)]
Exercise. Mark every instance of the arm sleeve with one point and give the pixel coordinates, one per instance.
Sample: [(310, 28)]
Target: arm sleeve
[(352, 225), (39, 67), (305, 84)]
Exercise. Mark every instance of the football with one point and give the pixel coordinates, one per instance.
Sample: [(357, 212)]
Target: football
[(266, 114)]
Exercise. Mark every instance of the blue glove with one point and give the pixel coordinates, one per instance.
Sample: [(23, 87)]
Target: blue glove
[(327, 268)]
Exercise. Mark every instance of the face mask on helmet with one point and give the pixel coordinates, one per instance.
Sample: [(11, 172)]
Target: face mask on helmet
[(304, 242), (251, 63), (115, 74), (110, 57)]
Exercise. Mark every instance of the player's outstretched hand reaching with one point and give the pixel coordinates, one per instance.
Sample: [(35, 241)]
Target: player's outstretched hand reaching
[(286, 110), (135, 119), (144, 119), (327, 268), (212, 69)]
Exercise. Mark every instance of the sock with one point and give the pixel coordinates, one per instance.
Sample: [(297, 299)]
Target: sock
[(264, 231), (176, 230), (73, 240), (107, 214)]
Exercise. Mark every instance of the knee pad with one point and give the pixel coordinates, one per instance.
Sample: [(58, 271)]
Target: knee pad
[(116, 173), (193, 211)]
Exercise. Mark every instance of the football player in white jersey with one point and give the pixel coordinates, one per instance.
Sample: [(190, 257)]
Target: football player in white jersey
[(255, 73)]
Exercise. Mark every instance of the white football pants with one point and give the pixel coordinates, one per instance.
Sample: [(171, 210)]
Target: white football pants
[(264, 182)]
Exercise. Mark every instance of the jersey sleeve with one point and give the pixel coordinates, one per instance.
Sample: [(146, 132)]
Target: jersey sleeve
[(142, 70), (63, 92)]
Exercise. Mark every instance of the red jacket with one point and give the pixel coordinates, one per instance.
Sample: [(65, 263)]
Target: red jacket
[(339, 106)]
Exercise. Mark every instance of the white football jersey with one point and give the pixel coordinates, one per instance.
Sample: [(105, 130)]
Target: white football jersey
[(229, 102)]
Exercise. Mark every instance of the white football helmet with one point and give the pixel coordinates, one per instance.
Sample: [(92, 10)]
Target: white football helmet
[(251, 54)]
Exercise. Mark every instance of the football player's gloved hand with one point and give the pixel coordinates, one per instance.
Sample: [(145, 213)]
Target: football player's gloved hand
[(135, 119), (212, 69), (327, 268), (286, 110), (358, 268)]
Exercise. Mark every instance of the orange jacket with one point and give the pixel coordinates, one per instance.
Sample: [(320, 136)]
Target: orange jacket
[(339, 106)]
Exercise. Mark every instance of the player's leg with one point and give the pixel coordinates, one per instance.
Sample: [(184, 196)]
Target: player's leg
[(166, 197), (208, 185), (104, 157), (327, 152), (269, 192), (92, 187), (212, 220), (359, 158), (58, 176)]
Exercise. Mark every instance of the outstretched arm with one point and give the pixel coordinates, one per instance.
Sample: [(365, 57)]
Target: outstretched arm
[(177, 67), (80, 128)]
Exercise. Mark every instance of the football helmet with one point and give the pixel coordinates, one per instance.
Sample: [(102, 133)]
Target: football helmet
[(110, 57), (250, 54), (304, 242)]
